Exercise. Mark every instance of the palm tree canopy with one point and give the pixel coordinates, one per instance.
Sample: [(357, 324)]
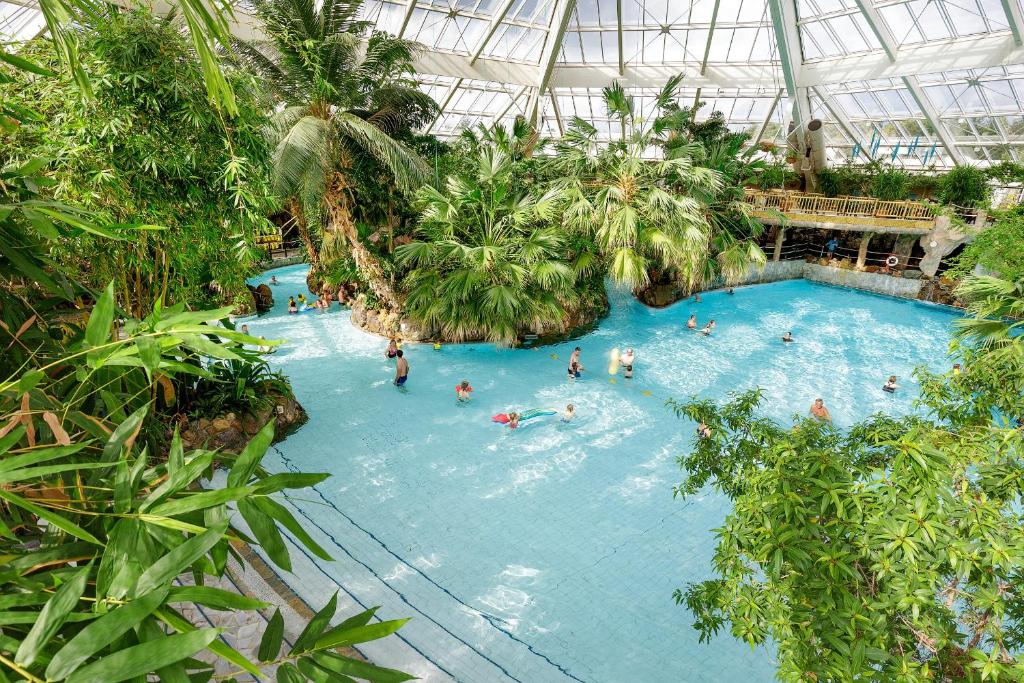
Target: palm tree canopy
[(343, 96)]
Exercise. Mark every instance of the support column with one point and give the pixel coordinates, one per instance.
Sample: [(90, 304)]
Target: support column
[(862, 253), (779, 239)]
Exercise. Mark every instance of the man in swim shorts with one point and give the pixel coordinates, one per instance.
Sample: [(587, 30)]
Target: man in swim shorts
[(575, 367), (401, 369)]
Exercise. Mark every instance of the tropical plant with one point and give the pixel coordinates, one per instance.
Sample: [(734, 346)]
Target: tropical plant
[(890, 184), (828, 182), (889, 551), (95, 525), (243, 385), (113, 155), (617, 196), (490, 257), (997, 249), (965, 186), (340, 101)]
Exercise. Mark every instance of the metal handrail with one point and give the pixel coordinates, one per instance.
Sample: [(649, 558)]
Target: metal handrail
[(804, 203)]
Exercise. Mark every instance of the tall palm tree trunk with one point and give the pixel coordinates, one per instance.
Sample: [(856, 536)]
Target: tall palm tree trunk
[(312, 253), (339, 222)]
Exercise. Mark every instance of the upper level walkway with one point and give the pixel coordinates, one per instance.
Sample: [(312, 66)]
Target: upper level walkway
[(865, 214)]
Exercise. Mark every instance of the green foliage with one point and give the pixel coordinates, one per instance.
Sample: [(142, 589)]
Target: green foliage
[(1006, 172), (997, 248), (95, 526), (829, 183), (890, 184), (242, 386), (965, 186), (342, 105), (890, 551), (147, 148), (490, 258)]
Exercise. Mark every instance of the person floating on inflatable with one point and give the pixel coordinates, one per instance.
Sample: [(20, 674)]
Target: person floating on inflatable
[(512, 419)]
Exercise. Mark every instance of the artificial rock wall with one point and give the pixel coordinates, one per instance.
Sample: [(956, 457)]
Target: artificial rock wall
[(873, 282)]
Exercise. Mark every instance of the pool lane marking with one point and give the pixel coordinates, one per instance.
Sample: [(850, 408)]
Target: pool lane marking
[(565, 671)]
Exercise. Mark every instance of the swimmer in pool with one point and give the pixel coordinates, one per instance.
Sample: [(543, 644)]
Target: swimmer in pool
[(513, 420), (627, 358), (703, 431), (575, 367), (463, 390), (273, 279), (301, 298), (696, 298), (292, 308), (691, 324), (392, 348), (819, 410), (890, 386), (437, 346), (707, 328), (401, 369), (788, 337), (569, 414), (245, 329), (731, 291)]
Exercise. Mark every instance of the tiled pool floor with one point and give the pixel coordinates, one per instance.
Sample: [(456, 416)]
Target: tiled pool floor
[(550, 553)]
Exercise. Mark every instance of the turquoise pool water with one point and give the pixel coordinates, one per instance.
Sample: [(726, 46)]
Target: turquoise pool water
[(550, 553)]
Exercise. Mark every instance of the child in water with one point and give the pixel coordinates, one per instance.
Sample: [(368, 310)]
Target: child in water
[(392, 348), (463, 390), (569, 414), (691, 324), (292, 308), (707, 328), (890, 386), (513, 420)]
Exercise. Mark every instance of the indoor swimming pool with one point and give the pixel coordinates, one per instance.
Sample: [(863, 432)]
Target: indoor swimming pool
[(550, 552)]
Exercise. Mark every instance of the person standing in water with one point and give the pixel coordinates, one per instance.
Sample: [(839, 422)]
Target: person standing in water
[(626, 360), (569, 414), (707, 328), (819, 411), (575, 367), (401, 369), (691, 324), (788, 337), (463, 390), (292, 308), (392, 348)]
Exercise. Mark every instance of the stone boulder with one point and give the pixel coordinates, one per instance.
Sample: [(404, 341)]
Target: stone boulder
[(232, 432), (263, 297)]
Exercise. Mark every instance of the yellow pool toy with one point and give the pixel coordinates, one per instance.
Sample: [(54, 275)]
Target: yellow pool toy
[(613, 366)]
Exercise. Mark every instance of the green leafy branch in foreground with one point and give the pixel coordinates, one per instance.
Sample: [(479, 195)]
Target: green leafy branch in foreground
[(893, 550), (95, 528)]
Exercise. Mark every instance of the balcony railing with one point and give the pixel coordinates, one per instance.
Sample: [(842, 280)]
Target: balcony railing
[(916, 214)]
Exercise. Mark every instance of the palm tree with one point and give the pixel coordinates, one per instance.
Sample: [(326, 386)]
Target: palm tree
[(619, 195), (997, 314), (490, 256), (341, 100)]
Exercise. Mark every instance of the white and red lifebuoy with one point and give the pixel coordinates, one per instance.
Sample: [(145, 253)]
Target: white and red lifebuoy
[(892, 260)]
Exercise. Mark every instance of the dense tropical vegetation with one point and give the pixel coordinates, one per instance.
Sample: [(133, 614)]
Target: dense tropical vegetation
[(148, 149), (888, 551), (340, 103)]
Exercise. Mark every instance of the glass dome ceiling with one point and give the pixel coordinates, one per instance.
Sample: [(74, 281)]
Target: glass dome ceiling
[(918, 81)]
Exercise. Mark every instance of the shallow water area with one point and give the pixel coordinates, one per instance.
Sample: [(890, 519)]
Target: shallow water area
[(550, 552)]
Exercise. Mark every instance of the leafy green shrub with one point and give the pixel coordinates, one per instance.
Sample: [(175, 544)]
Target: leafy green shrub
[(773, 176), (924, 185), (247, 385), (999, 248), (853, 180), (965, 186), (890, 184), (829, 183), (902, 524), (1006, 172)]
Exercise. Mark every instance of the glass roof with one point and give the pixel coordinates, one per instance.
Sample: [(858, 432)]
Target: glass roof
[(918, 82)]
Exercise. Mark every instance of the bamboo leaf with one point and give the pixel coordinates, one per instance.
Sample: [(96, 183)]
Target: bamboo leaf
[(141, 659), (178, 560), (273, 636), (53, 615)]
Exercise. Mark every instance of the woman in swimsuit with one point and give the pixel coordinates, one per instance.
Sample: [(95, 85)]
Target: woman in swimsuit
[(890, 386), (292, 308), (392, 348)]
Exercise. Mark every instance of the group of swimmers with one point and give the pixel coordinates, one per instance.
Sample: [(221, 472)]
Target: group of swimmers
[(298, 304)]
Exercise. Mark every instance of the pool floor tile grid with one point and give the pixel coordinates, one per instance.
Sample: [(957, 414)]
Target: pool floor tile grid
[(551, 553)]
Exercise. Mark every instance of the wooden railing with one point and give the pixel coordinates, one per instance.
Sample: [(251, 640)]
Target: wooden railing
[(852, 207)]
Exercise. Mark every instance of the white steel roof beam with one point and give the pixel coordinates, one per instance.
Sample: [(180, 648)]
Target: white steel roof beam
[(711, 34), (1015, 19), (492, 28), (443, 104), (838, 115), (618, 23), (410, 7), (557, 110), (879, 28), (552, 46), (932, 116), (768, 118)]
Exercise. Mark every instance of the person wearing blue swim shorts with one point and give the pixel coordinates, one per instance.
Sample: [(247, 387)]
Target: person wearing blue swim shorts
[(401, 369)]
